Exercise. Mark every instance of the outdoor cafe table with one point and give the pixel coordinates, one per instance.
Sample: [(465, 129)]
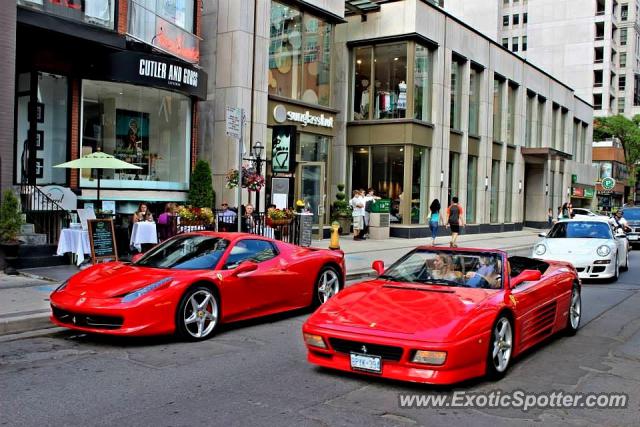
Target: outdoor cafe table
[(75, 241), (143, 232)]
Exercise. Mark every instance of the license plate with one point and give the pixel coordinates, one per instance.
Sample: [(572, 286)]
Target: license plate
[(365, 362), (632, 237)]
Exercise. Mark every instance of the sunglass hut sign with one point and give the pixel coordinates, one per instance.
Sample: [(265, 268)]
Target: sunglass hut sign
[(171, 73)]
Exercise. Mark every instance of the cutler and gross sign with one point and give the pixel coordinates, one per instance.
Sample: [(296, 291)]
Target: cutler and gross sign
[(155, 71), (281, 115), (283, 149)]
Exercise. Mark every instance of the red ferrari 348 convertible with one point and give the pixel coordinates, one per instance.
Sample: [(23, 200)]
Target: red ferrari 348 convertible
[(443, 316), (193, 282)]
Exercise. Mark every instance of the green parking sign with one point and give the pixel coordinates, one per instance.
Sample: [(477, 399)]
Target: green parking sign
[(608, 183)]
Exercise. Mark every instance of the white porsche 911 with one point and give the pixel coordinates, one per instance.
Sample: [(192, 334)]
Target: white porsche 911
[(591, 245)]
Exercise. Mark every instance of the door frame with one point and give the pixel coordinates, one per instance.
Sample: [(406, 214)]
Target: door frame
[(323, 190)]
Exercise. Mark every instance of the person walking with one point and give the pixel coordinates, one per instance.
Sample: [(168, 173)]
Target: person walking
[(434, 220), (454, 220), (550, 217), (565, 211)]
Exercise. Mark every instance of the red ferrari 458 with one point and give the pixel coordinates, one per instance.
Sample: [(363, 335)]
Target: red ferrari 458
[(443, 316), (193, 282)]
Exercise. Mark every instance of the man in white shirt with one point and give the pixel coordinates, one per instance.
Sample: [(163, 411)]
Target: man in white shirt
[(618, 222), (369, 198), (357, 203)]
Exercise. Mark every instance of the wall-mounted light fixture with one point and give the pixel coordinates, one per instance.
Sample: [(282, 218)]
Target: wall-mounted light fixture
[(441, 178), (486, 183), (546, 189), (520, 186)]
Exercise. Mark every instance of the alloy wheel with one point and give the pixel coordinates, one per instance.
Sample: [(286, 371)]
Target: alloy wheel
[(200, 314), (328, 285), (502, 345), (575, 310)]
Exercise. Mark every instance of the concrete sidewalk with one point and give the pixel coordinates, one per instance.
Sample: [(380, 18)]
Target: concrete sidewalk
[(24, 299)]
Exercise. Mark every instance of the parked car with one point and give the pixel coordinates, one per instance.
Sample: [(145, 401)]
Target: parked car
[(632, 215), (193, 282), (589, 244), (442, 316), (585, 212)]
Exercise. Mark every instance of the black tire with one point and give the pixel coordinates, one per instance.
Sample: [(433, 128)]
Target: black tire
[(615, 276), (625, 267), (188, 318), (497, 366), (326, 278), (573, 324)]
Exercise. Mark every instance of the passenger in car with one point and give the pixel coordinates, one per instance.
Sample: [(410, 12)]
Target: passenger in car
[(487, 274)]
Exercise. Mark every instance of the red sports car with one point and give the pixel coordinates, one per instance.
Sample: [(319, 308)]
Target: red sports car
[(442, 316), (193, 282)]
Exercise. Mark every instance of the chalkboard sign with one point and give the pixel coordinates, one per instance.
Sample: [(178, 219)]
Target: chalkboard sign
[(102, 239), (306, 227)]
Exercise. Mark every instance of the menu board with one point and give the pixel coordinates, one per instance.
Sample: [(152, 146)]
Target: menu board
[(306, 227), (102, 239)]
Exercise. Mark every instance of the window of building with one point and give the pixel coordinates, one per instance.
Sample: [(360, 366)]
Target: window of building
[(362, 83), (555, 110), (454, 176), (531, 97), (505, 2), (512, 92), (623, 59), (597, 101), (505, 21), (495, 194), (423, 82), (472, 184), (505, 42), (516, 19), (474, 100), (299, 55), (624, 12), (636, 90), (508, 194), (455, 94), (541, 120), (564, 113), (387, 174), (623, 37), (525, 17), (497, 109), (622, 81), (94, 12), (586, 148), (524, 43), (360, 168), (621, 105), (148, 127), (514, 44), (574, 140), (420, 186)]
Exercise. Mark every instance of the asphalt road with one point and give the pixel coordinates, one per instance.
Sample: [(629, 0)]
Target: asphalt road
[(255, 373)]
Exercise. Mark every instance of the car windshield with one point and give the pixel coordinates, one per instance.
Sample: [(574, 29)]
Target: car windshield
[(580, 230), (631, 214), (449, 268), (188, 252)]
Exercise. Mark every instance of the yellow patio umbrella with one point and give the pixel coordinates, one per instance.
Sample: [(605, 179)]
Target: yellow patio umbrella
[(97, 160)]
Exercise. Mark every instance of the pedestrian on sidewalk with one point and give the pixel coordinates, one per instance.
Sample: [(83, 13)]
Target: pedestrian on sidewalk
[(369, 198), (550, 217), (454, 220), (357, 203), (434, 220)]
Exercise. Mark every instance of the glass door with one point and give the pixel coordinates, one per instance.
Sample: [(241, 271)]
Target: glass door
[(311, 189)]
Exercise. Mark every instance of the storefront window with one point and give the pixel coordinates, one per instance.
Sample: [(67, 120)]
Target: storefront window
[(529, 119), (423, 80), (419, 189), (495, 187), (390, 99), (456, 95), (148, 127), (606, 170), (508, 193), (299, 55), (474, 101), (362, 83), (94, 12), (360, 171), (497, 109), (540, 121), (387, 176), (472, 184), (314, 148), (454, 176), (511, 111), (51, 123)]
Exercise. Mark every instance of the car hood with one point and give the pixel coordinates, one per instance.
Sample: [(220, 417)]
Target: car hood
[(426, 312), (575, 246), (115, 279)]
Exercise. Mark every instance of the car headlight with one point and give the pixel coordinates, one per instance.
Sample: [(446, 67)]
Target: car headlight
[(62, 286), (540, 249), (603, 250), (429, 357), (314, 340), (137, 294)]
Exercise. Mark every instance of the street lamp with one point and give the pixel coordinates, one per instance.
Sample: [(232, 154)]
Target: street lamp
[(256, 158)]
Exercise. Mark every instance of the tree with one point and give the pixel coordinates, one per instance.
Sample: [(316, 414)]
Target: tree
[(10, 218), (625, 130), (201, 193)]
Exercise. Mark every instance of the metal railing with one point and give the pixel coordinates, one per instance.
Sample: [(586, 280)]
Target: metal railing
[(47, 216)]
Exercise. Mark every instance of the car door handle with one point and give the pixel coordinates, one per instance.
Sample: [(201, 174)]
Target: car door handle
[(284, 266)]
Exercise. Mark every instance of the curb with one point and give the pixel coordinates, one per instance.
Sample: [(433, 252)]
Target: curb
[(19, 324), (37, 277)]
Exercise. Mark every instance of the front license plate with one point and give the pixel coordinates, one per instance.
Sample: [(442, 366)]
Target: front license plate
[(633, 237), (365, 362)]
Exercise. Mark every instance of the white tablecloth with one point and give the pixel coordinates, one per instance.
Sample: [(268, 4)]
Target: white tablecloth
[(143, 232), (74, 241)]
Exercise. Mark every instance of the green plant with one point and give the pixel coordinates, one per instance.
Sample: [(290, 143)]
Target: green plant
[(341, 208), (10, 218), (201, 194)]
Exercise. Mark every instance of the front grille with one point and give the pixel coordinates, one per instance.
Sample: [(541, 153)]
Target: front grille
[(599, 269), (580, 269), (87, 320), (387, 352)]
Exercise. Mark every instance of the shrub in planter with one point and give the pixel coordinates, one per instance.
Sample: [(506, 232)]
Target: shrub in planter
[(10, 222), (201, 193), (341, 211)]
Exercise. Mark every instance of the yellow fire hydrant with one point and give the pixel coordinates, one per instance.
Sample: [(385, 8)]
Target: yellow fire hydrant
[(335, 236)]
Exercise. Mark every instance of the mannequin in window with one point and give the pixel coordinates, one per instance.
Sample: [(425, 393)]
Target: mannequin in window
[(402, 95), (364, 100)]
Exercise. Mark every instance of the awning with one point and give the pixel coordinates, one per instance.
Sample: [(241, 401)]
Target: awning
[(546, 153), (360, 7)]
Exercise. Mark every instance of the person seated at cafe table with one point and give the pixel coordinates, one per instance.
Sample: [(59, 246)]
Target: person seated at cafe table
[(142, 214)]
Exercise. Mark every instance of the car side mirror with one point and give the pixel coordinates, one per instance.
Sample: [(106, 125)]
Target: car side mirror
[(136, 257), (378, 266), (526, 276), (542, 235), (244, 268)]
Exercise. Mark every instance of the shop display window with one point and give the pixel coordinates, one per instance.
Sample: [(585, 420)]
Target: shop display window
[(495, 195), (148, 127), (94, 12), (420, 182), (472, 189), (508, 194), (423, 81)]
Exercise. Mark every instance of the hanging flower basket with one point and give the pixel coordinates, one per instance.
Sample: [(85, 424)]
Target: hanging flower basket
[(250, 179)]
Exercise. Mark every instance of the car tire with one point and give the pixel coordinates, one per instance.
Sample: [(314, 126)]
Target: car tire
[(616, 274), (574, 314), (328, 283), (500, 348), (198, 314), (625, 267)]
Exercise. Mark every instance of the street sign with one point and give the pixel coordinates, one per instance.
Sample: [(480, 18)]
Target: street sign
[(608, 183), (234, 122)]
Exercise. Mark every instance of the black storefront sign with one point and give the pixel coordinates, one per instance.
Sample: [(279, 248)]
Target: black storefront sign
[(151, 70), (283, 149)]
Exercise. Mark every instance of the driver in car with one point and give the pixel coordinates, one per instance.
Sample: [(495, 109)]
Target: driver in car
[(487, 271), (443, 268)]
